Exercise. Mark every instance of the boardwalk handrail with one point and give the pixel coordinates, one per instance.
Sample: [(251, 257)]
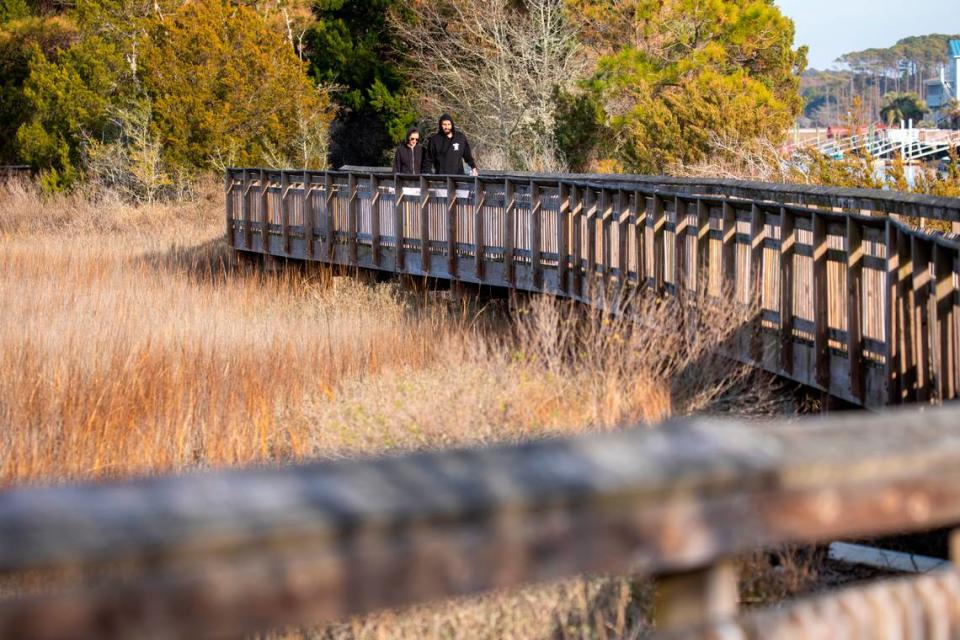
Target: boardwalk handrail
[(228, 552), (853, 299), (850, 198)]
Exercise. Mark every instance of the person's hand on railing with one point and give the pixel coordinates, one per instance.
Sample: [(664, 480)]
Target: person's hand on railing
[(474, 172)]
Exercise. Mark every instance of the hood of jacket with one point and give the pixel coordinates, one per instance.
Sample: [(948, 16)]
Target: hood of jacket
[(453, 125)]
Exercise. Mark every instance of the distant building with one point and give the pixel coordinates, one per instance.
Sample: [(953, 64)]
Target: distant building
[(941, 90)]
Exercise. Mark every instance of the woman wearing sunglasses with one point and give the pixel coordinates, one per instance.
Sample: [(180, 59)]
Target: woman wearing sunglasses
[(409, 156)]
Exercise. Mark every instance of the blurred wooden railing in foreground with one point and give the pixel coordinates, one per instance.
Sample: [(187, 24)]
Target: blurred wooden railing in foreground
[(854, 300), (225, 553)]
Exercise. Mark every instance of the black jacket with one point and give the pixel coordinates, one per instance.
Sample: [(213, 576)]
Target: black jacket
[(446, 155), (407, 160)]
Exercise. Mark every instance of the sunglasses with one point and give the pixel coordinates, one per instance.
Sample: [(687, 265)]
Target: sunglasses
[(412, 139)]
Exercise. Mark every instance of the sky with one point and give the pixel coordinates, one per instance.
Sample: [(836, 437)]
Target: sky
[(834, 27)]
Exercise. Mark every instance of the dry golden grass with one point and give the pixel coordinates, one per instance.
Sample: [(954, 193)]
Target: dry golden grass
[(131, 344)]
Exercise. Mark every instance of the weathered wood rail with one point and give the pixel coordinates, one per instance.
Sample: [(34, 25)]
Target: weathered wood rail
[(854, 300), (225, 553)]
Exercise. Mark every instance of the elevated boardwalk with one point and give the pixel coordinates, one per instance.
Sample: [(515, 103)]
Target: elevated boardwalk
[(853, 299)]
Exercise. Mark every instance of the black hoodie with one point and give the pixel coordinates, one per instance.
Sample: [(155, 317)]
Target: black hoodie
[(407, 160), (446, 155)]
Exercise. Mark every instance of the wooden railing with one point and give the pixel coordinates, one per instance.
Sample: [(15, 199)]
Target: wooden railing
[(854, 299), (224, 553), (14, 172)]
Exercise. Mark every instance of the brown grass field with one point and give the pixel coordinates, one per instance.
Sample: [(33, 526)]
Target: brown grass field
[(131, 343)]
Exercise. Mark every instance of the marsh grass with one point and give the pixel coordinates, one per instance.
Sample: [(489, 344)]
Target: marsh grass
[(132, 343)]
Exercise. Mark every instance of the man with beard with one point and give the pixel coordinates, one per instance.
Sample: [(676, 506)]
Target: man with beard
[(447, 150)]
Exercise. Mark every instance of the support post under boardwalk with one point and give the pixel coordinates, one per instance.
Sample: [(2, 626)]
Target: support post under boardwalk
[(696, 598)]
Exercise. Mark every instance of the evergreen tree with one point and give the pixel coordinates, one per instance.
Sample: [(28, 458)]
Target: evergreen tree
[(672, 74), (351, 46)]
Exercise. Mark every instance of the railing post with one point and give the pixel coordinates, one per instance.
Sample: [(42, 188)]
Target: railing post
[(228, 191), (694, 599), (330, 222), (590, 205), (622, 207), (353, 206), (535, 239), (451, 225), (576, 198), (308, 214), (264, 212), (424, 212), (892, 353), (285, 211), (398, 218), (922, 315), (946, 356), (820, 302), (703, 247), (478, 241), (788, 246), (658, 221), (906, 346), (563, 235), (855, 305), (680, 268), (606, 249), (640, 232), (728, 251), (375, 219), (509, 213), (245, 211)]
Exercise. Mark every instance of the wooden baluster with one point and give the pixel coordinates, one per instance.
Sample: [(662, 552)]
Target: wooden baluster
[(228, 191), (330, 204), (622, 205), (728, 252), (576, 198), (590, 205), (264, 212), (658, 222), (946, 356), (307, 215), (398, 230), (536, 205), (855, 306), (757, 238), (920, 248), (285, 211), (788, 247), (509, 212), (640, 231), (451, 225), (703, 247), (906, 343), (245, 206), (820, 303), (478, 241), (353, 214), (891, 352), (424, 211), (681, 268), (606, 250), (563, 235), (375, 219)]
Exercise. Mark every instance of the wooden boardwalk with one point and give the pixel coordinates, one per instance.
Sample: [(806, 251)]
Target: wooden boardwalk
[(854, 299)]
